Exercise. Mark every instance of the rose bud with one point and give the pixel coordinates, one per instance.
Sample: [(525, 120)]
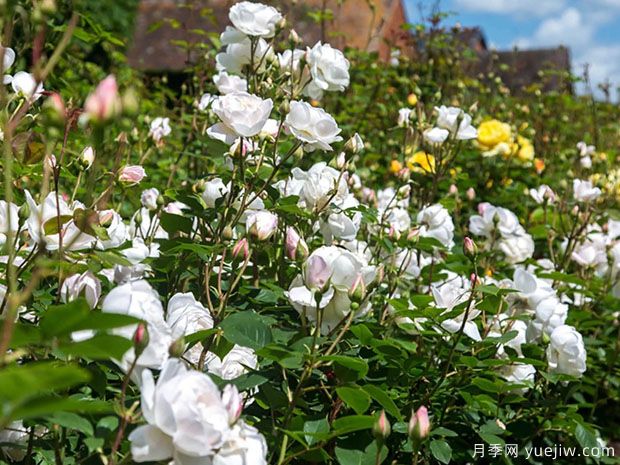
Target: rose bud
[(87, 157), (382, 428), (354, 145), (471, 193), (104, 103), (295, 246), (132, 174), (419, 425), (262, 225), (233, 401), (241, 247), (469, 248), (140, 339), (177, 348)]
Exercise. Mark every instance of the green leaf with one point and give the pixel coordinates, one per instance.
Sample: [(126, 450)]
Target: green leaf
[(384, 400), (49, 405), (23, 381), (352, 423), (73, 421), (441, 450), (99, 347), (247, 329), (348, 368), (354, 397), (585, 437), (361, 457), (315, 430)]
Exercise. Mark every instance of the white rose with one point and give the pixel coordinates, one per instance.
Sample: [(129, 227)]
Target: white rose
[(436, 222), (234, 364), (239, 54), (25, 84), (314, 127), (436, 135), (517, 248), (229, 83), (115, 228), (185, 316), (318, 186), (262, 224), (328, 67), (290, 61), (566, 352), (404, 117), (255, 19), (242, 115), (205, 101), (149, 197), (450, 294), (542, 194), (339, 270), (41, 216), (186, 417), (456, 121), (9, 220), (245, 445), (160, 128), (78, 284), (215, 189), (139, 299), (519, 373), (584, 192)]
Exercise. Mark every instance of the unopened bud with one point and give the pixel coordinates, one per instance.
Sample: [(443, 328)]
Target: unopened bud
[(354, 145), (241, 248), (341, 161), (177, 348), (419, 426), (469, 248), (140, 339), (471, 193), (227, 233), (358, 290), (382, 428)]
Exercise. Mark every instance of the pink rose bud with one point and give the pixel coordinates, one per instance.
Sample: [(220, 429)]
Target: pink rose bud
[(132, 174), (241, 247), (382, 428), (469, 247), (56, 106), (295, 246), (470, 193), (262, 225), (317, 273), (419, 425), (453, 189), (104, 103), (140, 339), (358, 289), (474, 279)]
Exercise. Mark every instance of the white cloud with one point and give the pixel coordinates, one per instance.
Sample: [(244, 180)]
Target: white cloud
[(537, 8), (577, 30), (570, 28)]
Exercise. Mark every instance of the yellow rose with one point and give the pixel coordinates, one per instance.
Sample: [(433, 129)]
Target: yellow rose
[(421, 162), (526, 149), (412, 99), (492, 133), (395, 166)]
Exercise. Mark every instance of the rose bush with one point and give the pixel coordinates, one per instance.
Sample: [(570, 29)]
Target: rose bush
[(299, 255)]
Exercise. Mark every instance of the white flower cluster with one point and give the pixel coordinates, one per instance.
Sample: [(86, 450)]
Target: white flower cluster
[(190, 421), (503, 232)]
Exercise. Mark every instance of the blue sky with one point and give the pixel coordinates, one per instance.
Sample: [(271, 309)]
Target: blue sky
[(590, 28)]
